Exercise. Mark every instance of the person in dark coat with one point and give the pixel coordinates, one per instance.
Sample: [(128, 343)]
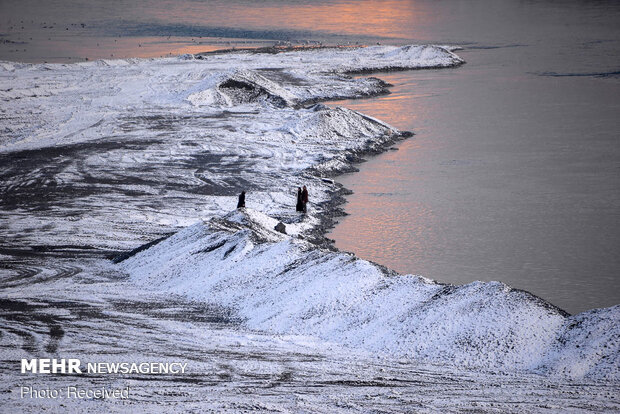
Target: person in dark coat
[(300, 203), (304, 199), (241, 202)]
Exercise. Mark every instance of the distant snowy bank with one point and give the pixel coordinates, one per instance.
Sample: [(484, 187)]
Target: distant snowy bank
[(55, 103), (167, 144)]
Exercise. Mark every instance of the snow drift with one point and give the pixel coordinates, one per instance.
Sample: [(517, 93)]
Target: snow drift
[(286, 285), (56, 104), (150, 146)]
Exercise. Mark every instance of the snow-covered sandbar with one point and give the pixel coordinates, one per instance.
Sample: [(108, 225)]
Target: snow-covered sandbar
[(108, 156)]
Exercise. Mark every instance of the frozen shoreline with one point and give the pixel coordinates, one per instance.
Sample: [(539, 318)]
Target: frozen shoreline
[(286, 285), (257, 123)]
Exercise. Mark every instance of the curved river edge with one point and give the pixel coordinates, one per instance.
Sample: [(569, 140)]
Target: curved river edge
[(246, 122), (480, 325)]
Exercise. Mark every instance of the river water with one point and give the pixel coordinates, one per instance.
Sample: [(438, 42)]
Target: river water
[(513, 173)]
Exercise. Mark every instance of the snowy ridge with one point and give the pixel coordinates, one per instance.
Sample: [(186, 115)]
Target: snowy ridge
[(285, 285), (180, 136), (243, 87), (52, 104), (146, 147)]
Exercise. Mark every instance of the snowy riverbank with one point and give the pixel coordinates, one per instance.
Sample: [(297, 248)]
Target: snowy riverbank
[(103, 157), (285, 285)]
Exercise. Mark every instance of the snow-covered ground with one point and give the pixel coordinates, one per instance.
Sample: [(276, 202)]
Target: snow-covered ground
[(281, 284), (100, 158)]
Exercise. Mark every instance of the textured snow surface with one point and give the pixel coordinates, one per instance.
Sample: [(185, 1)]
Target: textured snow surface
[(142, 160), (100, 316), (144, 147), (54, 103), (285, 285)]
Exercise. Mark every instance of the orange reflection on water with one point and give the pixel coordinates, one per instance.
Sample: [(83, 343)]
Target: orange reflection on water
[(195, 22), (401, 108), (379, 237), (375, 18), (390, 18), (386, 222)]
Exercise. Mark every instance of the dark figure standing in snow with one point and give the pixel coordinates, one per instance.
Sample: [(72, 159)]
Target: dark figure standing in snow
[(241, 202), (304, 199), (300, 203)]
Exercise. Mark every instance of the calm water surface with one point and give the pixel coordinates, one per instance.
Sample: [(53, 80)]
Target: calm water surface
[(514, 173), (75, 30)]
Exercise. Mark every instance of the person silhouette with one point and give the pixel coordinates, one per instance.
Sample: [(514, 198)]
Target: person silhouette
[(241, 202), (304, 199), (300, 203)]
